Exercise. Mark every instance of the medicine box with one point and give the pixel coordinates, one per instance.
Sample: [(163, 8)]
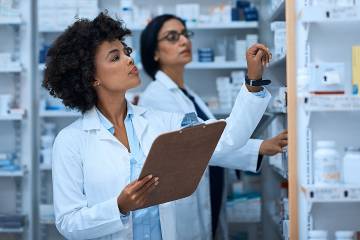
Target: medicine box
[(327, 78)]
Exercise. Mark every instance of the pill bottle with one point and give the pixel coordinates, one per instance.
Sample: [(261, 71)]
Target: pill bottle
[(327, 164), (351, 166)]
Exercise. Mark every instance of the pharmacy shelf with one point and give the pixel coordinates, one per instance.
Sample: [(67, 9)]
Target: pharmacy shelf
[(58, 113), (278, 13), (12, 230), (192, 26), (328, 103), (10, 20), (14, 68), (12, 117), (19, 173), (211, 65), (331, 194), (44, 167), (47, 221), (211, 26), (330, 14), (280, 61), (216, 65)]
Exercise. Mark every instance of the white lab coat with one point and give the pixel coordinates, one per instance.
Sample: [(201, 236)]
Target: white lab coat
[(163, 94), (91, 167)]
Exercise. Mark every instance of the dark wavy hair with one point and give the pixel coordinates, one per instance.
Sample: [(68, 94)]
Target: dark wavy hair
[(149, 42), (70, 63)]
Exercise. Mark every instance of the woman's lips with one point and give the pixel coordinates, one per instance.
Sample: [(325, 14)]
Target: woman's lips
[(186, 51), (134, 71)]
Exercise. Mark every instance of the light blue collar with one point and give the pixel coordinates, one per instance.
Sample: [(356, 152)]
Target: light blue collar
[(108, 124)]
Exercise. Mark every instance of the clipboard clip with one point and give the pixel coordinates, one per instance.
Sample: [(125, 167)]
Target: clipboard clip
[(190, 120)]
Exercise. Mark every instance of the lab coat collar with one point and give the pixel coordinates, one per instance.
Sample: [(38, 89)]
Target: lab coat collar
[(166, 80), (91, 119)]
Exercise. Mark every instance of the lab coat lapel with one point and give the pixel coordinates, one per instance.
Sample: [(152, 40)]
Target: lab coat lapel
[(143, 132), (183, 102), (92, 124)]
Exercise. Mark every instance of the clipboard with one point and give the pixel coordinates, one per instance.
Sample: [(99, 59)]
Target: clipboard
[(180, 159)]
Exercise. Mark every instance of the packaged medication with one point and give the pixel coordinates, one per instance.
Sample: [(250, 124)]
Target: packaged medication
[(240, 50), (327, 164), (351, 166), (344, 235), (279, 29), (356, 69), (327, 78), (318, 235)]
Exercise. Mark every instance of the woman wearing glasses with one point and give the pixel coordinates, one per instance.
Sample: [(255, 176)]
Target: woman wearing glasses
[(98, 158), (165, 50)]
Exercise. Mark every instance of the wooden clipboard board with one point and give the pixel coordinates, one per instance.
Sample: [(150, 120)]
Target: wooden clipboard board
[(179, 159)]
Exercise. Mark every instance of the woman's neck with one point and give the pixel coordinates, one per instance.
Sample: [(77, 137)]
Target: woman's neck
[(176, 73), (113, 107)]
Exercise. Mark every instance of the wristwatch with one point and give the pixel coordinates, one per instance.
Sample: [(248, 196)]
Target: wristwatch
[(256, 83)]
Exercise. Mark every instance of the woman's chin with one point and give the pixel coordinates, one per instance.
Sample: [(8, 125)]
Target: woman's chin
[(186, 60), (135, 82)]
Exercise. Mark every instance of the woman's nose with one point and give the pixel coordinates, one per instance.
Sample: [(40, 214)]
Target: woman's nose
[(183, 40), (130, 60)]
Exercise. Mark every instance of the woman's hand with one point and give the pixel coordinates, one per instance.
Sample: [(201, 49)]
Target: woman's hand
[(135, 194), (274, 145), (257, 56)]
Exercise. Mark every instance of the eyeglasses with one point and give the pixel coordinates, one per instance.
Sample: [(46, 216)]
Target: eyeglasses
[(127, 50), (174, 36)]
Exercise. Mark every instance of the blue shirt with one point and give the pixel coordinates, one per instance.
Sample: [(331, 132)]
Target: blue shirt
[(146, 222)]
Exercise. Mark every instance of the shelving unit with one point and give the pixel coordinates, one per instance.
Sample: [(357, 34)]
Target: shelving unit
[(10, 20), (19, 173), (15, 68), (12, 117), (274, 170), (331, 103), (211, 26), (331, 194), (210, 65), (320, 117), (329, 14), (58, 114), (16, 77), (12, 230)]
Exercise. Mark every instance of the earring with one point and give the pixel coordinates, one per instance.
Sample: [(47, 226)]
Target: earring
[(97, 84)]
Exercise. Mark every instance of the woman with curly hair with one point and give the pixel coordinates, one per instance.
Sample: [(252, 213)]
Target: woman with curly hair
[(98, 158)]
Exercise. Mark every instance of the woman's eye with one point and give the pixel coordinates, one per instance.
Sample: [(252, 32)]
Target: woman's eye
[(172, 36), (115, 58)]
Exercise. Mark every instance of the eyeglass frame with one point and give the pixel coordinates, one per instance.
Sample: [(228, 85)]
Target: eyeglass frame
[(188, 34)]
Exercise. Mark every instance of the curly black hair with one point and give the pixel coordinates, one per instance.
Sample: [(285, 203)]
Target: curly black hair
[(70, 63)]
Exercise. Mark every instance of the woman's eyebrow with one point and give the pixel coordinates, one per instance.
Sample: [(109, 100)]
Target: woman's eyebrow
[(112, 51), (174, 30)]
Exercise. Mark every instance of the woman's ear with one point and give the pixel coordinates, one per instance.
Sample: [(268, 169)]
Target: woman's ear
[(156, 56), (96, 83)]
